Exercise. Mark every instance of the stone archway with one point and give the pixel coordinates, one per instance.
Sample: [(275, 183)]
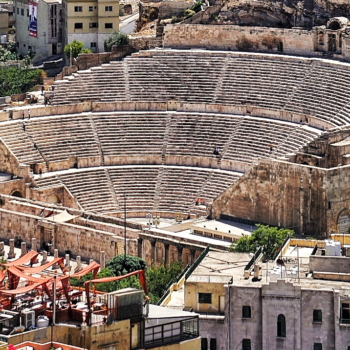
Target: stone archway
[(16, 193), (53, 199), (343, 221)]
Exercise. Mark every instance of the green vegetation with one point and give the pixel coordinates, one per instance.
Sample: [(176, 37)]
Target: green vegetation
[(193, 9), (76, 47), (14, 80), (158, 278), (197, 6), (269, 238), (121, 11), (117, 39)]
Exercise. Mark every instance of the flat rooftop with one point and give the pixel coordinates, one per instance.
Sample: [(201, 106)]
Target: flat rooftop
[(220, 267)]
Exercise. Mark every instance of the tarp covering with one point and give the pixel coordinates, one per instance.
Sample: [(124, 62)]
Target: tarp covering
[(14, 275), (30, 256), (24, 290), (62, 217), (38, 269), (2, 277), (94, 266)]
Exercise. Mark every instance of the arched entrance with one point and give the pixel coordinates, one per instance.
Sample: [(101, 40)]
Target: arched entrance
[(344, 222), (53, 199), (17, 193)]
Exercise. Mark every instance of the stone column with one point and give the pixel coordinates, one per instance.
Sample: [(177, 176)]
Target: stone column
[(102, 259), (34, 244), (11, 254), (55, 256), (44, 260), (139, 247), (67, 265), (2, 249), (166, 254), (153, 251), (179, 253), (78, 267), (23, 248)]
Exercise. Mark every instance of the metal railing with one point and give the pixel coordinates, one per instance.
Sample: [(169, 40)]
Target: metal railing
[(170, 333)]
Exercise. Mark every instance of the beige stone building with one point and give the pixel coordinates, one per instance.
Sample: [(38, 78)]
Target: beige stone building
[(90, 22)]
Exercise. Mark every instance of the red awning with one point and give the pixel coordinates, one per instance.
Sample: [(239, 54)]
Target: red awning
[(30, 256), (94, 266), (14, 275), (38, 269), (2, 277), (24, 290)]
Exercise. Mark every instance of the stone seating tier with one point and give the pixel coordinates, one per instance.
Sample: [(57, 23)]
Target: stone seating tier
[(151, 138), (313, 87)]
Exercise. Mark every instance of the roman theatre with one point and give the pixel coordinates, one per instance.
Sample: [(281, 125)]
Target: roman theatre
[(178, 134)]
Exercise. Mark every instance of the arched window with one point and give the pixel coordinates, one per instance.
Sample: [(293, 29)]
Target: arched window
[(281, 326)]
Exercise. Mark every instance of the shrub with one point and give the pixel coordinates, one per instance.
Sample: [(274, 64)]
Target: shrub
[(117, 39)]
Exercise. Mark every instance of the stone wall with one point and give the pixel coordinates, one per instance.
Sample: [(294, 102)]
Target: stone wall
[(280, 194), (84, 236), (228, 37), (336, 264)]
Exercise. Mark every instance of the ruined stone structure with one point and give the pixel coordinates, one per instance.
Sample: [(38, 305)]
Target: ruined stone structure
[(257, 137)]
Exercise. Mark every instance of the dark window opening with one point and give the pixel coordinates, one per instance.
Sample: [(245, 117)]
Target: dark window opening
[(281, 326), (317, 316), (246, 311), (246, 344), (204, 298)]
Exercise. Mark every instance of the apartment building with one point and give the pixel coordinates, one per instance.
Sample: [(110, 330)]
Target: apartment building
[(90, 21), (38, 27)]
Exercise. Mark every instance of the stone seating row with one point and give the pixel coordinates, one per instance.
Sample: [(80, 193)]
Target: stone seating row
[(114, 135), (312, 87), (146, 188)]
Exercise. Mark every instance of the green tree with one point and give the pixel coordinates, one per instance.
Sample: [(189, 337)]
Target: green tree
[(159, 278), (76, 47), (118, 267), (269, 238), (103, 287), (14, 80), (116, 38)]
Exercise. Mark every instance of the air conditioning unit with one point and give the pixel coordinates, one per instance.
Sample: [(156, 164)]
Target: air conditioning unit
[(28, 318)]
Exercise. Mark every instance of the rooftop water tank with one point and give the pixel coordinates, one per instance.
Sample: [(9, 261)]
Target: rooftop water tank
[(42, 321)]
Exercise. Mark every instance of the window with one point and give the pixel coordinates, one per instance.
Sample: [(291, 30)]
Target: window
[(281, 326), (213, 344), (246, 344), (78, 25), (93, 47), (204, 298), (93, 25), (91, 8), (108, 8), (27, 12), (345, 313), (78, 8), (22, 12), (317, 346), (246, 312), (108, 25), (317, 317), (17, 11), (204, 344)]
